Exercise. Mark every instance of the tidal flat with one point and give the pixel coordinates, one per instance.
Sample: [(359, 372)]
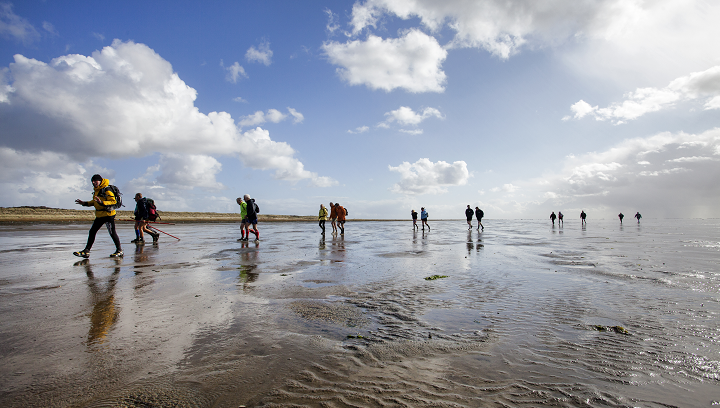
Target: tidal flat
[(520, 314)]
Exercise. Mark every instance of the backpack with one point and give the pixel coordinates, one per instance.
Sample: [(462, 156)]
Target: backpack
[(118, 197), (346, 211), (151, 209), (257, 209)]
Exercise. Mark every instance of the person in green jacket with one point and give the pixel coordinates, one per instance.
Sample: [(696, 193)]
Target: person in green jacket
[(322, 217), (103, 200), (243, 217)]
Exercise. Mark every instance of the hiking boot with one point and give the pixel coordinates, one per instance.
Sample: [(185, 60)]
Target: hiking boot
[(156, 237), (82, 254), (137, 240), (117, 254)]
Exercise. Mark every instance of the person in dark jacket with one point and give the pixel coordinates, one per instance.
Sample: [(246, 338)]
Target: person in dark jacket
[(251, 218), (414, 216), (479, 214), (469, 215), (141, 220), (552, 218)]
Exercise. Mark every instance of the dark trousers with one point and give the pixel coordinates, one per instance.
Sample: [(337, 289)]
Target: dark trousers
[(321, 223), (97, 224)]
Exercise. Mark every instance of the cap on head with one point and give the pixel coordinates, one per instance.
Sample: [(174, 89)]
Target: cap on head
[(96, 177)]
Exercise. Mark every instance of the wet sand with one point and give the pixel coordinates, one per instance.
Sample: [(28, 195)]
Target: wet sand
[(525, 316)]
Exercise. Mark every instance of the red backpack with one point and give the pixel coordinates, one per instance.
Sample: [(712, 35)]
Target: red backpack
[(152, 210)]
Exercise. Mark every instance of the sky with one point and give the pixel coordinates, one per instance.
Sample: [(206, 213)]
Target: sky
[(518, 107)]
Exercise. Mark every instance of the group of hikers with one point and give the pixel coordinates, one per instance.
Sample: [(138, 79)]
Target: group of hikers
[(583, 216), (337, 214), (106, 199)]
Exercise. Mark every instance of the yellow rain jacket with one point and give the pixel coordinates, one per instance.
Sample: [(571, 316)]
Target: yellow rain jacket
[(323, 214), (107, 199)]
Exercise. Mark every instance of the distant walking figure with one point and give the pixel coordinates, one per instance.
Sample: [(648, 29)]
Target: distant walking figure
[(251, 218), (333, 217), (479, 214), (341, 213), (560, 219), (322, 217), (638, 216), (552, 217), (423, 218), (583, 216), (469, 214), (414, 215), (621, 216)]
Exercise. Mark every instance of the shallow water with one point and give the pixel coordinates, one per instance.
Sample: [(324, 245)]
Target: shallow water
[(528, 315)]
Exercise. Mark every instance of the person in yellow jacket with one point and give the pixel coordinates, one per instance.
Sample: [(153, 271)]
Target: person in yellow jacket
[(102, 198), (322, 217)]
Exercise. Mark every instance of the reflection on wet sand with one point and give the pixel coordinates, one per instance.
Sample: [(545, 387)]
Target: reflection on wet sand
[(104, 312), (211, 322)]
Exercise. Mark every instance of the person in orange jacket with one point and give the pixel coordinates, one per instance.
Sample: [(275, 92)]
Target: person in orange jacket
[(340, 211)]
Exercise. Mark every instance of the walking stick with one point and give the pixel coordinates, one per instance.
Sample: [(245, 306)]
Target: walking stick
[(154, 222), (166, 233)]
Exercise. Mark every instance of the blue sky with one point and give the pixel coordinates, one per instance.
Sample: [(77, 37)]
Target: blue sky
[(518, 107)]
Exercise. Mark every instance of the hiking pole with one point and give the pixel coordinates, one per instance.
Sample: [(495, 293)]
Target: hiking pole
[(153, 222), (166, 233)]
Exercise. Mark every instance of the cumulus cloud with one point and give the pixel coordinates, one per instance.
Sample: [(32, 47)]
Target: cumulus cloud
[(262, 54), (272, 115), (234, 72), (498, 26), (15, 27), (607, 38), (332, 24), (125, 101), (426, 177), (411, 62), (44, 178), (189, 171), (406, 116), (506, 188), (697, 85)]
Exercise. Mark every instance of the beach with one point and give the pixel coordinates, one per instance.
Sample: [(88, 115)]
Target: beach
[(520, 314)]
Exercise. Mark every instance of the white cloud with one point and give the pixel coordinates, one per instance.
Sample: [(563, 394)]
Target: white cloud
[(426, 177), (99, 36), (412, 131), (611, 39), (234, 72), (506, 188), (239, 99), (188, 171), (262, 54), (406, 116), (272, 115), (332, 24), (16, 27), (499, 26), (50, 28), (412, 62), (126, 101), (361, 129), (705, 84), (44, 178), (297, 116)]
